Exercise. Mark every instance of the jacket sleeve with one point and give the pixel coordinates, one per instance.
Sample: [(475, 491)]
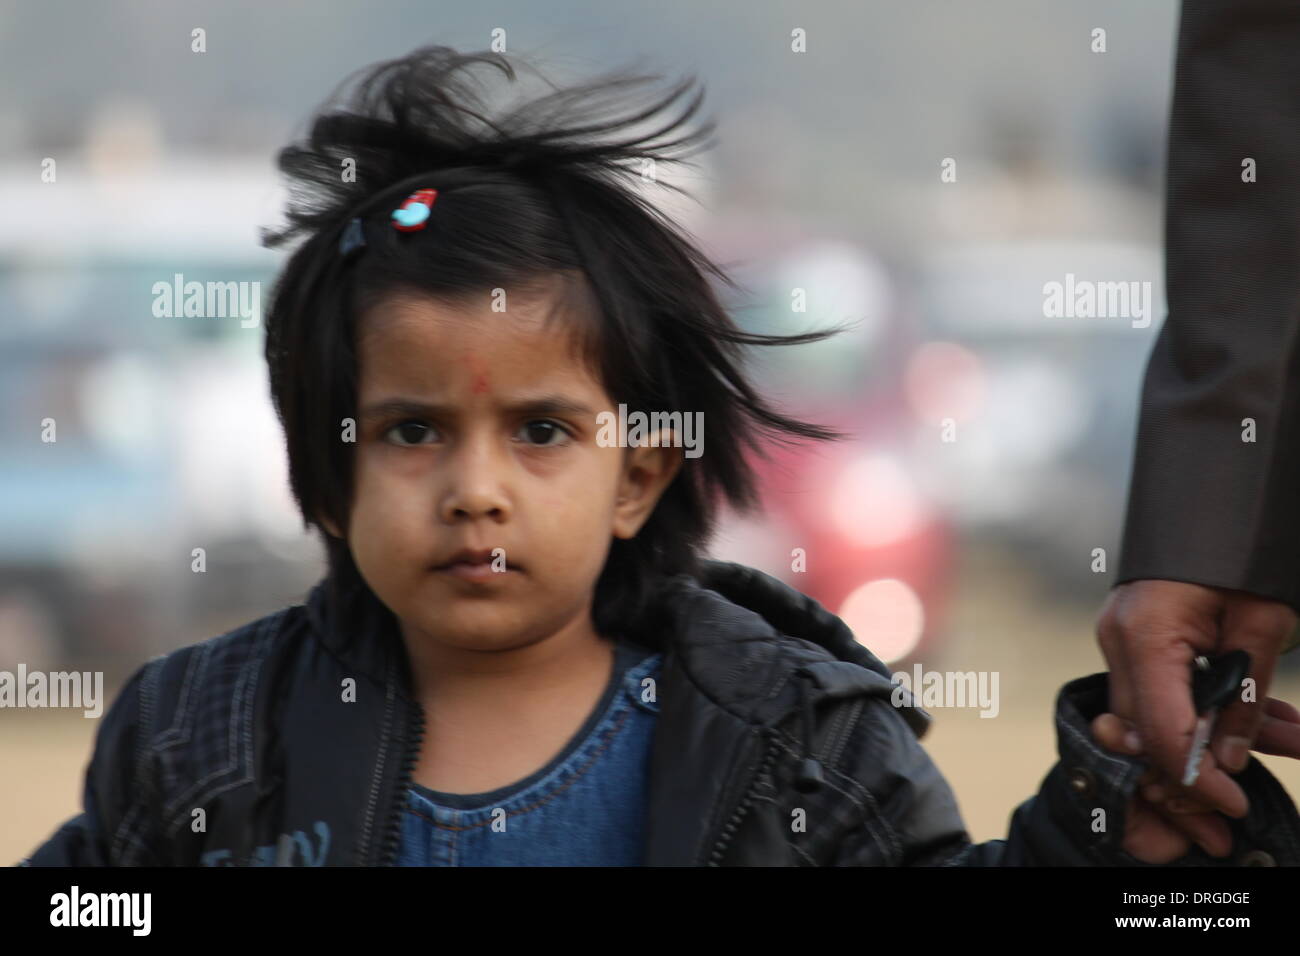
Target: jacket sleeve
[(1077, 818), (1229, 349), (112, 828)]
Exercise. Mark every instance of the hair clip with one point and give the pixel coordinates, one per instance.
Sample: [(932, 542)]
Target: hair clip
[(354, 237), (414, 213)]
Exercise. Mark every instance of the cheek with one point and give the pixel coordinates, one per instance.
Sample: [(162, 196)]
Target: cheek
[(388, 476), (579, 510), (386, 501)]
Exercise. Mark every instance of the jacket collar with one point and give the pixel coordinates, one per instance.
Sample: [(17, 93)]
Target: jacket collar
[(723, 623), (358, 629)]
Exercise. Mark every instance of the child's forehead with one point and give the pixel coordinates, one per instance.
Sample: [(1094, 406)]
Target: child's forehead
[(454, 330), (409, 316), (410, 341), (526, 312)]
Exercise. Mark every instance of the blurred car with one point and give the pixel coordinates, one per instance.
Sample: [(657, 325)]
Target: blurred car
[(846, 523), (1051, 400), (165, 439)]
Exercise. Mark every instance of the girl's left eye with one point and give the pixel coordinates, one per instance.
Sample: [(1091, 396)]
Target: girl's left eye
[(543, 424), (410, 433)]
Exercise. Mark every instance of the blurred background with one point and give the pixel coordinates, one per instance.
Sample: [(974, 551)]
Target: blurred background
[(991, 445)]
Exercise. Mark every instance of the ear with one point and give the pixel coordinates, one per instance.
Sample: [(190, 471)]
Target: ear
[(331, 527), (647, 473)]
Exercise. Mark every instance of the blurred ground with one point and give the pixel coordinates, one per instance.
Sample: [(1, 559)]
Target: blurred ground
[(1000, 620)]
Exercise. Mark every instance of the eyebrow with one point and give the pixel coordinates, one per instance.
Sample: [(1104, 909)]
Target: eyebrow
[(542, 405)]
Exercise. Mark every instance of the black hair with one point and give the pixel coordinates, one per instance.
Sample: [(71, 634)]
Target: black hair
[(537, 191)]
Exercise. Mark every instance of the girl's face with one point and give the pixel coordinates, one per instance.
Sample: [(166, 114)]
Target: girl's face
[(477, 430)]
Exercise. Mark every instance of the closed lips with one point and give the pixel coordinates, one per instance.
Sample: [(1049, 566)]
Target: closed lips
[(473, 558)]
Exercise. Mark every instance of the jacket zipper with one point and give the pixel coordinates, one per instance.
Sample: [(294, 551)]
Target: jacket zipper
[(729, 828), (393, 833)]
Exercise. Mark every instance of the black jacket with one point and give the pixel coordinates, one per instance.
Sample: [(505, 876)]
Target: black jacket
[(761, 689), (1204, 505)]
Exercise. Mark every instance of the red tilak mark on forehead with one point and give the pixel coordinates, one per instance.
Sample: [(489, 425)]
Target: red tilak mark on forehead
[(480, 376)]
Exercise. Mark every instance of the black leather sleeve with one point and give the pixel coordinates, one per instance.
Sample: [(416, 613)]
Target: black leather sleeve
[(1204, 505)]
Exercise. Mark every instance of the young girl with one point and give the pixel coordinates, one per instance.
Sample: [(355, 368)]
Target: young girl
[(519, 655)]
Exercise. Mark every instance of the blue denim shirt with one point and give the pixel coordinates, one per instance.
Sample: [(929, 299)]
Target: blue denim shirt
[(586, 807)]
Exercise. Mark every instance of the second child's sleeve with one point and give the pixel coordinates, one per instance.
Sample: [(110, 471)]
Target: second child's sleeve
[(1077, 818)]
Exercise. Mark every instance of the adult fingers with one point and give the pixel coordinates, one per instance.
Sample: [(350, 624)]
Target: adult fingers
[(1259, 627), (1110, 640), (1166, 722), (1279, 736), (1281, 710), (1162, 626), (1149, 838), (1154, 833)]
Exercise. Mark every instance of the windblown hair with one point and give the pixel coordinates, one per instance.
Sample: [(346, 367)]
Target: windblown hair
[(539, 191)]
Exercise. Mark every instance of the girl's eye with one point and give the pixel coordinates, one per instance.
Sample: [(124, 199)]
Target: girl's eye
[(542, 429), (409, 433)]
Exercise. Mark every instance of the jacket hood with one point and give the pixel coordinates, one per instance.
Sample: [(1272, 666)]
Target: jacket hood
[(732, 613)]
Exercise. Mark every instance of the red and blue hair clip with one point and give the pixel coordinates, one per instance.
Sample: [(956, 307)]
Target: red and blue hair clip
[(410, 216), (414, 213)]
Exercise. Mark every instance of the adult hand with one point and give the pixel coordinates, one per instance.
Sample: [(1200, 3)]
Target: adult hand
[(1150, 632), (1155, 831)]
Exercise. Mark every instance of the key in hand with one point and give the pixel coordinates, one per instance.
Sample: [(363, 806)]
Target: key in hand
[(1215, 681)]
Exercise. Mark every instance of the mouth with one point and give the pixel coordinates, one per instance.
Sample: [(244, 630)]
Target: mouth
[(477, 566)]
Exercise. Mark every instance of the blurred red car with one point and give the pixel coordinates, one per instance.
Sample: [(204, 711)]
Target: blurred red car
[(847, 522)]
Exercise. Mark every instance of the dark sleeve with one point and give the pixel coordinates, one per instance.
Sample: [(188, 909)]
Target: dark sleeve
[(1077, 818), (1205, 506), (114, 826)]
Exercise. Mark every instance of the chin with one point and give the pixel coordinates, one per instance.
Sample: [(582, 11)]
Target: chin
[(479, 632)]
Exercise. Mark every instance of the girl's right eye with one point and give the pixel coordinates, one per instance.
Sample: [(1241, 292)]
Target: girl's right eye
[(408, 433)]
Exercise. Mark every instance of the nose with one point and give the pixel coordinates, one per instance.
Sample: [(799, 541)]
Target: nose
[(475, 486)]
